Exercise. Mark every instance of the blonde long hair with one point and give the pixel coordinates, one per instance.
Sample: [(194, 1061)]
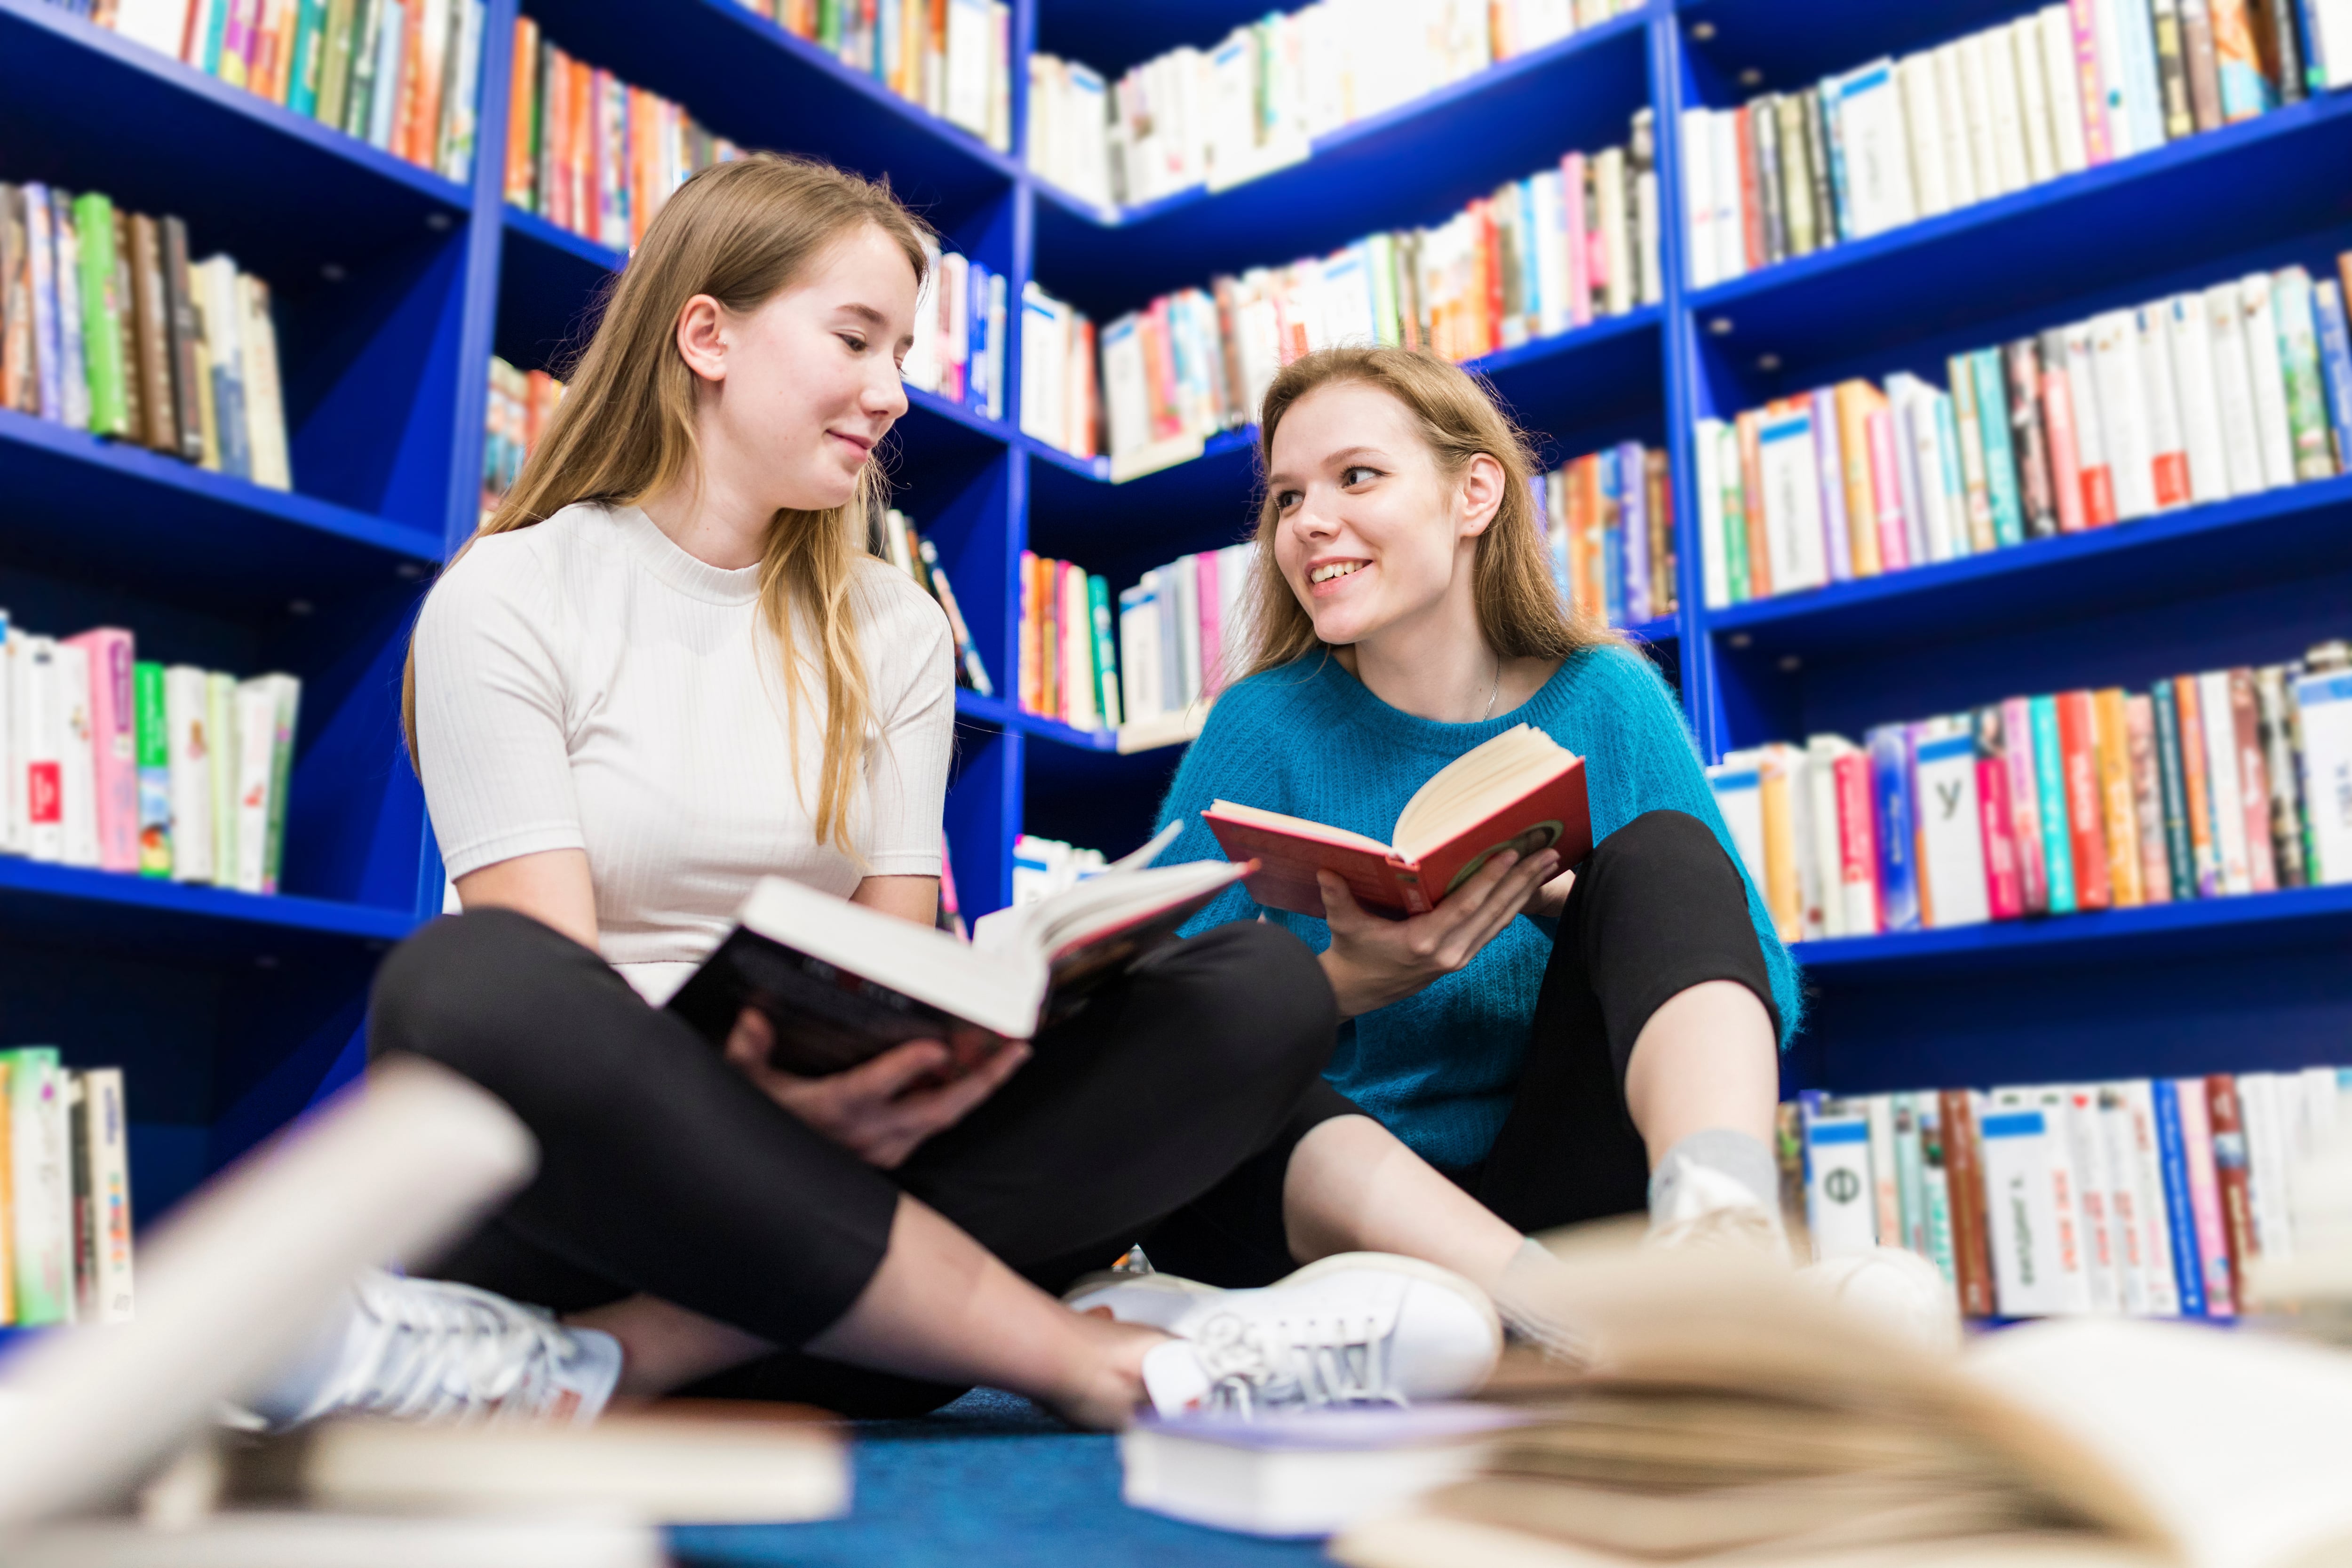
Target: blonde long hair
[(739, 232), (1520, 611)]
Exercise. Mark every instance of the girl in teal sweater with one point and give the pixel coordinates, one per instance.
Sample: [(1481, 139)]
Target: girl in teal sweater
[(1616, 1048)]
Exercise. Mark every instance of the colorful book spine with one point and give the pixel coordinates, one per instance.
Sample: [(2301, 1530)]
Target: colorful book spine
[(153, 741)]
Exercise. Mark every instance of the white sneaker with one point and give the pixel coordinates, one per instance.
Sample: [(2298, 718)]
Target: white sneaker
[(1355, 1329), (423, 1350)]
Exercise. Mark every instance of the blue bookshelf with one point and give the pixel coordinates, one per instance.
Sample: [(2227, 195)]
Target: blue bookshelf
[(393, 286)]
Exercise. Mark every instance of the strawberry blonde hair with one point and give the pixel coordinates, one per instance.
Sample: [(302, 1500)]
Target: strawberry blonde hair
[(740, 232), (1520, 610)]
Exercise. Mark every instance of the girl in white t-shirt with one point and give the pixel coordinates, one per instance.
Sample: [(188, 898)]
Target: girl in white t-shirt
[(667, 668)]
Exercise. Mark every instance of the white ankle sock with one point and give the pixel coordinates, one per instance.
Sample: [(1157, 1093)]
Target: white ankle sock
[(1529, 1295), (1711, 1169)]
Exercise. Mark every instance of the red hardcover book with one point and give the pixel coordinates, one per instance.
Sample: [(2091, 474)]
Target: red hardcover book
[(2230, 1173), (2058, 423), (1964, 1172), (1858, 834), (1490, 254), (2254, 780), (2004, 893), (1520, 791), (2087, 828)]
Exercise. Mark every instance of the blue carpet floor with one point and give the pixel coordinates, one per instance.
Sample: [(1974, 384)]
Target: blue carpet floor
[(989, 1482)]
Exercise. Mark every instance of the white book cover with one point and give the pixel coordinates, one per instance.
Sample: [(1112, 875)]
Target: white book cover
[(2269, 1166), (1127, 398), (77, 758), (1646, 236), (1976, 90), (1186, 573), (2032, 99), (12, 744), (1715, 571), (190, 742), (2083, 391), (1616, 227), (2199, 401), (2324, 717), (2323, 1109), (1821, 794), (2142, 97), (2061, 82), (1961, 185), (1698, 194), (105, 1151), (2123, 412), (158, 24), (969, 30), (1730, 214), (1951, 826), (2125, 1236), (2037, 1261), (2234, 387), (2258, 332), (1886, 1186), (2086, 1158), (220, 716), (1878, 149), (1551, 253), (2166, 441), (1138, 653), (2115, 102), (2007, 96), (1804, 831), (2161, 1275), (1841, 1201), (41, 713), (256, 754), (2223, 782), (1923, 127), (1738, 795), (1937, 466), (1793, 502)]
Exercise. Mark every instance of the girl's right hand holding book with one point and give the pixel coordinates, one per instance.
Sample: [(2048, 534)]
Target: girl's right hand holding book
[(1373, 961), (882, 1108)]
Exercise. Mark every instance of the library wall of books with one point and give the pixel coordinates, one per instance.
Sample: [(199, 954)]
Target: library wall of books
[(1954, 402)]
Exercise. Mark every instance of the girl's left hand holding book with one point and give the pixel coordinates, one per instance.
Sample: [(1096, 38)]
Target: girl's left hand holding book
[(1372, 961)]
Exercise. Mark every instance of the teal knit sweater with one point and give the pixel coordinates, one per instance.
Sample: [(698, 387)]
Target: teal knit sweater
[(1438, 1066)]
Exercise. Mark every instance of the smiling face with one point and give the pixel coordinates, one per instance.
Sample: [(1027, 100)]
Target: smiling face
[(811, 376), (1370, 532)]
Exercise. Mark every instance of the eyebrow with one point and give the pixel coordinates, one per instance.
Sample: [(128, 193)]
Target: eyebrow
[(865, 313)]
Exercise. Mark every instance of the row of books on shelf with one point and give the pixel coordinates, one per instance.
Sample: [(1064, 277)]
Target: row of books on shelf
[(124, 765), (2065, 89), (1539, 257), (515, 416), (106, 325), (894, 539), (65, 1193), (1069, 663), (1253, 102), (2147, 1197), (2244, 387), (959, 347), (404, 76), (952, 57), (2235, 781), (1608, 523), (1182, 633), (1044, 867), (591, 153), (1060, 403)]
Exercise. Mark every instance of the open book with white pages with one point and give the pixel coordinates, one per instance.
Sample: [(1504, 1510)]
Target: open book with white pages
[(840, 982), (1734, 1414)]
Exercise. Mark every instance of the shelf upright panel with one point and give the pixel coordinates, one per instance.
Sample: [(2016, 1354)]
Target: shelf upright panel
[(1670, 87)]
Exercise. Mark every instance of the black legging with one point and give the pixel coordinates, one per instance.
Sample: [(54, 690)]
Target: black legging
[(1656, 908), (663, 1170)]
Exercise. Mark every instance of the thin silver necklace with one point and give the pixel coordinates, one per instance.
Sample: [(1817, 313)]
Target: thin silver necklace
[(1497, 691)]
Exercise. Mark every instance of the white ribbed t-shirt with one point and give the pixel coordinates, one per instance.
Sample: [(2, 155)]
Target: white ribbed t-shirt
[(586, 684)]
